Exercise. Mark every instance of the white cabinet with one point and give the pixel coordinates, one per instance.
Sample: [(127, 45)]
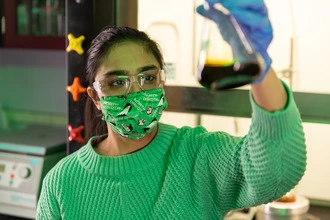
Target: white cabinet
[(316, 181), (307, 22), (172, 24)]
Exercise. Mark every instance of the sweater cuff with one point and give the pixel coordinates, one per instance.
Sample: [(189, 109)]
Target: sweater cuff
[(278, 124)]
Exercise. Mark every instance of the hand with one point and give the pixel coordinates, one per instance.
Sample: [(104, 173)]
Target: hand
[(252, 15)]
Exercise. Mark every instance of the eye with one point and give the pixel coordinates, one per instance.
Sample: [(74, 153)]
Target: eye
[(150, 76), (117, 82), (113, 82)]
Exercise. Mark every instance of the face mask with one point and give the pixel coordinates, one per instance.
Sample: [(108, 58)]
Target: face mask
[(136, 114)]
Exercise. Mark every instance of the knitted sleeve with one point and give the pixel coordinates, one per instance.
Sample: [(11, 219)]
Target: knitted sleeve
[(262, 166), (48, 207)]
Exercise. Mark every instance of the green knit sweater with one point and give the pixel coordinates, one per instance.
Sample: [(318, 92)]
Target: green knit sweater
[(185, 173)]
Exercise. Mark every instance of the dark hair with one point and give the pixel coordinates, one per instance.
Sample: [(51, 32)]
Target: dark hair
[(97, 53)]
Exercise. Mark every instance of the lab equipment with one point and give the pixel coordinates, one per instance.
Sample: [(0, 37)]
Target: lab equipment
[(26, 156), (227, 59)]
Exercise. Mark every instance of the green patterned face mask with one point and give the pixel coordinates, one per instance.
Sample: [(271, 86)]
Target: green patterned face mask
[(136, 114)]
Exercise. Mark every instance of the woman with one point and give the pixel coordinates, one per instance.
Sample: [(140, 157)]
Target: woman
[(133, 167)]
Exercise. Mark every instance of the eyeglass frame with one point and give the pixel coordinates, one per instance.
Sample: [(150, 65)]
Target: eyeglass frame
[(97, 85)]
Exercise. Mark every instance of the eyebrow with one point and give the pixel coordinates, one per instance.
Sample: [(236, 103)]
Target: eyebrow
[(125, 72)]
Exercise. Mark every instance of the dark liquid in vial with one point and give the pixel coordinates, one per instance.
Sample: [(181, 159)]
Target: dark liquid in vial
[(218, 77)]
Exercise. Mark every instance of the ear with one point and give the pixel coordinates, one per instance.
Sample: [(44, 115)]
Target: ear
[(95, 98)]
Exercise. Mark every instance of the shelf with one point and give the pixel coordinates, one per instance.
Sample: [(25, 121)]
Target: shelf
[(314, 107)]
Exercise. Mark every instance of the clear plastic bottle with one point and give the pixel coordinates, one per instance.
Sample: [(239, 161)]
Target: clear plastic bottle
[(227, 59)]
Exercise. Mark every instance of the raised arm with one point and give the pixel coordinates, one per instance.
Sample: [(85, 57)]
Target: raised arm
[(270, 94)]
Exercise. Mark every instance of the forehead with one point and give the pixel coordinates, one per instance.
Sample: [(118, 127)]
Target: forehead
[(127, 56)]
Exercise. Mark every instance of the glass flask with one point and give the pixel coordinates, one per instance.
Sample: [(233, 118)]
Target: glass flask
[(226, 59)]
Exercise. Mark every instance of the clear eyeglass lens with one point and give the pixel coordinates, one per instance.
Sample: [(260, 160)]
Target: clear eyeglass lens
[(120, 85)]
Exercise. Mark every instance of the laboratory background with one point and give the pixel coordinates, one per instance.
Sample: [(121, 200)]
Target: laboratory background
[(43, 46)]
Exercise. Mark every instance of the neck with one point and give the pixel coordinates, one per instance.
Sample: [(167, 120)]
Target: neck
[(116, 145)]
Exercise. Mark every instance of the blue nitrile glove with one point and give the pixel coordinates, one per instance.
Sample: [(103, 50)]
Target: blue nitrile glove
[(252, 15)]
